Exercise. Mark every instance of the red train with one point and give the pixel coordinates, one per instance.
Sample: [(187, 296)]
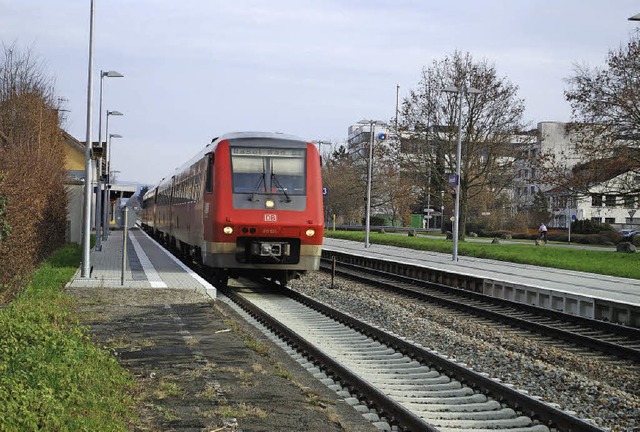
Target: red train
[(249, 203)]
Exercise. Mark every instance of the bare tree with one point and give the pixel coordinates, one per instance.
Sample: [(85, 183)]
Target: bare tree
[(343, 180), (428, 129), (605, 105)]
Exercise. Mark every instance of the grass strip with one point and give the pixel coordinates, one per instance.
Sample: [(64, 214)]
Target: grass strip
[(52, 377), (570, 258)]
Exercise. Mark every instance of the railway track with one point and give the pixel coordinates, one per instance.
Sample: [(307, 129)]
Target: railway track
[(607, 338), (409, 386)]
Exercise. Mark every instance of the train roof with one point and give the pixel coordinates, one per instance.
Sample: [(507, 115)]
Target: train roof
[(227, 137), (251, 135)]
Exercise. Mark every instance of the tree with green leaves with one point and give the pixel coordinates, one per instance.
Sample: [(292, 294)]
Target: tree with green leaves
[(428, 128)]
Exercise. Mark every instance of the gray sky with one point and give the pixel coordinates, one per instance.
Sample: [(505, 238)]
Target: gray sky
[(195, 69)]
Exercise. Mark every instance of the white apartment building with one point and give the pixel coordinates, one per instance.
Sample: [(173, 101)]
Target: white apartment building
[(600, 204)]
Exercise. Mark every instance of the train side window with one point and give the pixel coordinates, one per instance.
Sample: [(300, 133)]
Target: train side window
[(209, 181)]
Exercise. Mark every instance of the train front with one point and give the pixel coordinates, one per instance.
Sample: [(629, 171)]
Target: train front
[(267, 214)]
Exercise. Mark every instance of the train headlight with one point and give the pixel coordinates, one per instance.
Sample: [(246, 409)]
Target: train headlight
[(227, 230), (310, 232), (269, 203)]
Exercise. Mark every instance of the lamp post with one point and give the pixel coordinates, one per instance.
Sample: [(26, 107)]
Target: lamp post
[(460, 91), (320, 143), (367, 226), (86, 222), (442, 211), (636, 17), (105, 224), (109, 163), (109, 74)]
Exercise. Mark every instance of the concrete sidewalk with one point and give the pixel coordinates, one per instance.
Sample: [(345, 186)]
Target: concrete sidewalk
[(148, 265)]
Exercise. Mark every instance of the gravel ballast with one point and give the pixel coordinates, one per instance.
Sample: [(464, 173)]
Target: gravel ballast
[(606, 394)]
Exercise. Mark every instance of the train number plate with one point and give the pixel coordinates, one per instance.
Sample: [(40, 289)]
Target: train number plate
[(268, 217)]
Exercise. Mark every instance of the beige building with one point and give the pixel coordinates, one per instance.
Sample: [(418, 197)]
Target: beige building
[(74, 164)]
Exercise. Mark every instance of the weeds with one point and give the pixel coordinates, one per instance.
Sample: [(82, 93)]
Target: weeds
[(51, 376)]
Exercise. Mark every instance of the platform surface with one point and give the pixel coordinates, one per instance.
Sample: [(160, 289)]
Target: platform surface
[(615, 289), (148, 265)]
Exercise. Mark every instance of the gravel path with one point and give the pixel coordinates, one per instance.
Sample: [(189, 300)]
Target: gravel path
[(607, 395), (202, 368)]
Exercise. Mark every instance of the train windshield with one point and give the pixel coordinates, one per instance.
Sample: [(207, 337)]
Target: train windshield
[(268, 170)]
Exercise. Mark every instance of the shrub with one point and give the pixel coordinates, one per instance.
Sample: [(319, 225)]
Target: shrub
[(32, 163), (587, 226)]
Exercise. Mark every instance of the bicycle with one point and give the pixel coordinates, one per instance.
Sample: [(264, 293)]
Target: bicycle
[(542, 238)]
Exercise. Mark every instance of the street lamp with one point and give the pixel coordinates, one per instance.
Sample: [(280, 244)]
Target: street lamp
[(460, 91), (86, 222), (320, 143), (109, 145), (636, 17), (99, 218), (105, 224), (367, 227)]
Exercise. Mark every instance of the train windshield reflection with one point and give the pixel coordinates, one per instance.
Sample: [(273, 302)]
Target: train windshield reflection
[(261, 172)]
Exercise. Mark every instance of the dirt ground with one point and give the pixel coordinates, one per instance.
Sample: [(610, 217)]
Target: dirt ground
[(202, 368)]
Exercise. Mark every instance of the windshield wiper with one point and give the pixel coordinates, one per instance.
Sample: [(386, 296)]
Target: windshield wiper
[(274, 180), (257, 187)]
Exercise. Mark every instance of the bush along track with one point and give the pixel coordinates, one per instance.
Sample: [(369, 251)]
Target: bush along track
[(52, 377)]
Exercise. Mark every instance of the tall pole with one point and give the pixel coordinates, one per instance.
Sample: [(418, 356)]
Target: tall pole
[(456, 212), (397, 105), (368, 209), (428, 218), (460, 91), (99, 162), (86, 232), (107, 144), (442, 211)]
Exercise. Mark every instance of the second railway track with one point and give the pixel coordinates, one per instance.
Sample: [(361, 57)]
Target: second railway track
[(604, 337)]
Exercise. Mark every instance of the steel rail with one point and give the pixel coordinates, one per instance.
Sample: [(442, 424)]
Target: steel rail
[(363, 274), (531, 406), (396, 413)]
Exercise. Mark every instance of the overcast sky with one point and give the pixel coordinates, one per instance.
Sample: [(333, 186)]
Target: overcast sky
[(195, 69)]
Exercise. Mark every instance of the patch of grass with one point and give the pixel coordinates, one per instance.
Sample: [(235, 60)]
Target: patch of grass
[(314, 398), (283, 373), (168, 414), (257, 346), (51, 376), (167, 388), (249, 341), (570, 258), (240, 410)]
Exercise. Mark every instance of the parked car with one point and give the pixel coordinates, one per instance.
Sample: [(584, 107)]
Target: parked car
[(628, 232)]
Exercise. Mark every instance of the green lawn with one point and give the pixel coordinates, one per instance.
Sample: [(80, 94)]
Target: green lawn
[(571, 258), (51, 376)]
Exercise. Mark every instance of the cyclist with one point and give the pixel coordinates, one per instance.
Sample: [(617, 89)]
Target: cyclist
[(543, 233)]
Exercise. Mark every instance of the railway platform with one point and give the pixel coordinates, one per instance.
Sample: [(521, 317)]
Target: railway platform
[(588, 295), (148, 265)]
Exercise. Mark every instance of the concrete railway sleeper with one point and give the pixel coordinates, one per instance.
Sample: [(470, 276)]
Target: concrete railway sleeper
[(411, 388)]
